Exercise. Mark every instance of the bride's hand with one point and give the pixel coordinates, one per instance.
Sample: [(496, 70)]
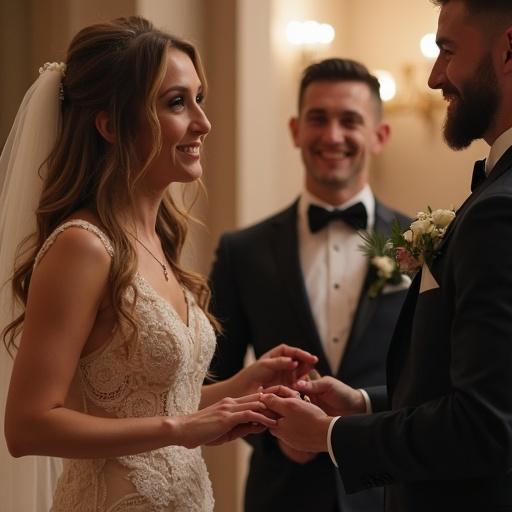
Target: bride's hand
[(281, 365), (223, 421)]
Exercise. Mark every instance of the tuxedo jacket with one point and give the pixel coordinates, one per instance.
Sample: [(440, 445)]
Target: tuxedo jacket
[(260, 298), (446, 445)]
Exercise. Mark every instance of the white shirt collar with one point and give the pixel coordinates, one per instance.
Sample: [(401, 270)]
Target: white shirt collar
[(501, 144), (365, 196)]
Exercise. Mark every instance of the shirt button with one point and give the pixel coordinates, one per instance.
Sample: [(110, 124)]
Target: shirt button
[(336, 247), (336, 286), (335, 339)]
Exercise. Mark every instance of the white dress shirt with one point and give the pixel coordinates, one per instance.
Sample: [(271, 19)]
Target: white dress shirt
[(501, 144), (334, 269)]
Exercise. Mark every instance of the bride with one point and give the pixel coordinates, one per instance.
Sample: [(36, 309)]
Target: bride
[(115, 336)]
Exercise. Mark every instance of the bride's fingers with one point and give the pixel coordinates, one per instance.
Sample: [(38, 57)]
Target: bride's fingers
[(298, 354), (250, 416), (238, 431), (254, 397), (280, 363)]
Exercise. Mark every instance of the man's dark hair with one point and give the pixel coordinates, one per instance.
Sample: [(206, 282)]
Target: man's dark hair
[(340, 70), (483, 7), (492, 15)]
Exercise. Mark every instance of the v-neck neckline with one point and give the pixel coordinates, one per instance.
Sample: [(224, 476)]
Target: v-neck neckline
[(187, 324)]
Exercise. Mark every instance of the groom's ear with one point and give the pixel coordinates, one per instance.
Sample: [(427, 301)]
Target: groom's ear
[(293, 124), (104, 126), (382, 134)]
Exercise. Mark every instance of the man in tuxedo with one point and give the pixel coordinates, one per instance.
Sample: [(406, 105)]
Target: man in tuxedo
[(299, 277), (446, 442)]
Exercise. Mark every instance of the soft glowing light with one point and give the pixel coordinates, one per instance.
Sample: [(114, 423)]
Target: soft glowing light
[(294, 32), (428, 46), (309, 32), (326, 33), (387, 84)]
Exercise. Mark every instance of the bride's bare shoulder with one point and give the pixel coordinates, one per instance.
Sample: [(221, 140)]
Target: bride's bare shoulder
[(77, 241)]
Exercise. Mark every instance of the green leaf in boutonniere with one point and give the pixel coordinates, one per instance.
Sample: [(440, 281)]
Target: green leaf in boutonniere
[(383, 265)]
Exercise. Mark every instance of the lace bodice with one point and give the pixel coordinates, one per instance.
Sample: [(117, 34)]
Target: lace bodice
[(158, 373)]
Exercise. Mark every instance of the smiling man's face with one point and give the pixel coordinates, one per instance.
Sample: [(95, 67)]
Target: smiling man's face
[(337, 131)]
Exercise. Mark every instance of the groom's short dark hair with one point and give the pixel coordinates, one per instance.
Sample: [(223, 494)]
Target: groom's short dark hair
[(340, 70)]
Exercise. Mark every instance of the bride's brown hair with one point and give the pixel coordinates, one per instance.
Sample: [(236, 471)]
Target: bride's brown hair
[(114, 67)]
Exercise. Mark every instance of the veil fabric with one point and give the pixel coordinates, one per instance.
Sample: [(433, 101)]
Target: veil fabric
[(26, 484)]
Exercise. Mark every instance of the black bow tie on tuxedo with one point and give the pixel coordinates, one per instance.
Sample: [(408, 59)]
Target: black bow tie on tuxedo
[(355, 216), (479, 174)]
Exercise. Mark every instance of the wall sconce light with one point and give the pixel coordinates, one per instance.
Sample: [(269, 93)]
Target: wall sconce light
[(409, 95), (310, 36)]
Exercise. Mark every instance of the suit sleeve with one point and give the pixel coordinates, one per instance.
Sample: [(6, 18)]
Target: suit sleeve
[(378, 398), (467, 432), (227, 307)]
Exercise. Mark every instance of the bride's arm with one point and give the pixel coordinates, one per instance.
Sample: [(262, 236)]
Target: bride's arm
[(66, 290), (281, 365)]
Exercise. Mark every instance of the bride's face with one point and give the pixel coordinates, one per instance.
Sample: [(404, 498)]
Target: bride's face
[(183, 125)]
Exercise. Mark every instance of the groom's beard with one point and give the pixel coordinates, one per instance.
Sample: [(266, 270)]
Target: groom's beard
[(477, 104)]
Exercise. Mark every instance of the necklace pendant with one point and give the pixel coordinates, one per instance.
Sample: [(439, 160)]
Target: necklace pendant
[(166, 275)]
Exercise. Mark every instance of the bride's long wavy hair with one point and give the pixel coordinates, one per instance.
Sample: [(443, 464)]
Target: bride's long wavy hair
[(115, 67)]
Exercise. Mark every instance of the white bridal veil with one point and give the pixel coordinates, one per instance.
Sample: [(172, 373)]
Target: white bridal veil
[(26, 484)]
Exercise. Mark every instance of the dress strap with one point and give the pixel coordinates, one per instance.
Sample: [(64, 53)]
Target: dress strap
[(75, 223)]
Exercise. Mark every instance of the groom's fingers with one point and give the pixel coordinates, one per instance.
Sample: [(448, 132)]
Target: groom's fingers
[(311, 387), (282, 391), (276, 403)]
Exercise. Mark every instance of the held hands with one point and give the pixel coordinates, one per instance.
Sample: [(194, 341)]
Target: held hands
[(333, 396), (281, 365), (301, 426), (223, 421)]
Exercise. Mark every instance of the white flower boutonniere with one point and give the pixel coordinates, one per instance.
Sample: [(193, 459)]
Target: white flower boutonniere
[(420, 243), (405, 252), (384, 268)]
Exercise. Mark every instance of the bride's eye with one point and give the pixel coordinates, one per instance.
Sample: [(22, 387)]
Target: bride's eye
[(177, 103)]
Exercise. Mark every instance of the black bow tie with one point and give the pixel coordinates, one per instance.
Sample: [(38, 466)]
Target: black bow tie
[(479, 174), (355, 216)]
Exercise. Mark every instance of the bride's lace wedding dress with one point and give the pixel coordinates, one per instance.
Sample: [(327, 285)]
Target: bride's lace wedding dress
[(159, 373)]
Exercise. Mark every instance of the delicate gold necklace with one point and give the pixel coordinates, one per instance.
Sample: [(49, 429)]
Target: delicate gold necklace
[(163, 265)]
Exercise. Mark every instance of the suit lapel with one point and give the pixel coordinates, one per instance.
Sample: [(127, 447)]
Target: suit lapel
[(402, 335), (286, 253), (501, 166), (367, 306)]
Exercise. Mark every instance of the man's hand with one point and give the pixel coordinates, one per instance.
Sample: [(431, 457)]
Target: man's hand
[(333, 396), (297, 456), (302, 426)]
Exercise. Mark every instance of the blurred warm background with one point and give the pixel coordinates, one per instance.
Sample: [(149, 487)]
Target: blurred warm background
[(251, 167)]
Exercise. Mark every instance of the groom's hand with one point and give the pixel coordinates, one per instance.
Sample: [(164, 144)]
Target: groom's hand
[(333, 396), (302, 426), (297, 456)]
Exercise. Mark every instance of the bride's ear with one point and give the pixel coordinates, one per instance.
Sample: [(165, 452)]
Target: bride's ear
[(104, 126)]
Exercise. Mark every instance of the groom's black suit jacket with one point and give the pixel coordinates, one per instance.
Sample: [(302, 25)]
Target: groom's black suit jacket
[(447, 443), (260, 297)]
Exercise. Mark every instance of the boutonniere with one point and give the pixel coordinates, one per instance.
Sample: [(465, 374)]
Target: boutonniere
[(420, 243), (394, 260), (384, 269)]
